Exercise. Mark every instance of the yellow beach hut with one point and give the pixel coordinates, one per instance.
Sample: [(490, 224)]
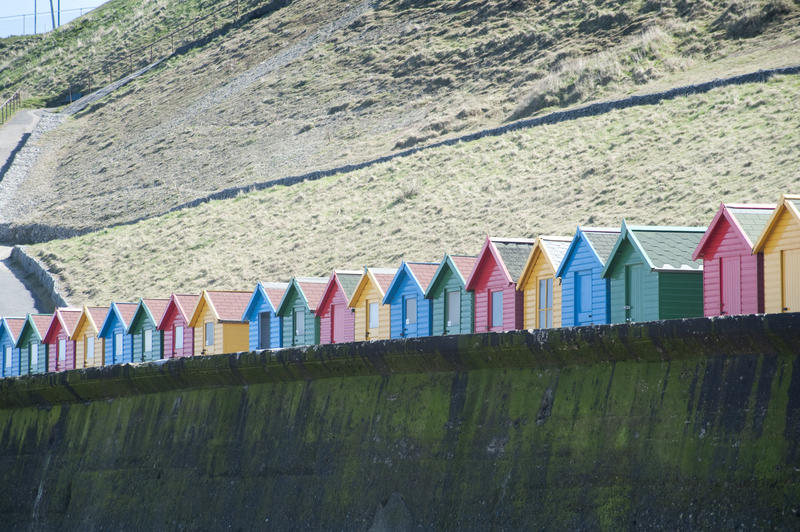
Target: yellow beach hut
[(541, 288), (372, 316), (89, 348), (780, 244), (217, 322)]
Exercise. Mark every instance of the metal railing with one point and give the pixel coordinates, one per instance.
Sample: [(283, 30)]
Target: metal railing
[(125, 62), (9, 107)]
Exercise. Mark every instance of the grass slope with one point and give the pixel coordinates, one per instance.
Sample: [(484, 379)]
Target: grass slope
[(404, 73), (671, 163)]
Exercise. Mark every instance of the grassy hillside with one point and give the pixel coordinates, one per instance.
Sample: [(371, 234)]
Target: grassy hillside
[(670, 163), (46, 65), (288, 93)]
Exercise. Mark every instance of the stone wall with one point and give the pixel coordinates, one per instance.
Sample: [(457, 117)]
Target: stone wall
[(678, 424)]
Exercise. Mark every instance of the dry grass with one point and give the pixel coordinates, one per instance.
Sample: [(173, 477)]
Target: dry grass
[(665, 164), (404, 74)]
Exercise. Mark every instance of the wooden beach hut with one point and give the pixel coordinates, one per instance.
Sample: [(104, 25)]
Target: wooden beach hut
[(264, 325), (732, 274), (452, 306), (10, 329), (117, 344), (32, 348), (652, 275), (297, 311), (779, 242), (337, 322), (89, 350), (584, 290), (540, 287), (409, 311), (217, 322), (147, 340), (174, 325), (58, 339), (493, 281), (372, 317)]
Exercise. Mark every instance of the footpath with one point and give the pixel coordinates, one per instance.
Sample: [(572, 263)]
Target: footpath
[(18, 292)]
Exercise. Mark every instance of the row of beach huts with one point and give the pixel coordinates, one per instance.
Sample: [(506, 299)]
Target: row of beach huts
[(747, 261)]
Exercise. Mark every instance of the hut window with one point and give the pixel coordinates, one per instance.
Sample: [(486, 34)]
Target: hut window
[(453, 303), (148, 340), (118, 346), (299, 325), (411, 311), (89, 349), (497, 308), (178, 337), (8, 356), (209, 334), (372, 311), (34, 354), (62, 351), (546, 302)]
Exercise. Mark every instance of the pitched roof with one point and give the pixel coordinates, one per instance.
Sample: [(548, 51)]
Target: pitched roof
[(156, 307), (41, 322), (514, 253), (420, 273), (97, 314), (602, 239), (423, 271), (126, 312), (313, 288), (748, 220), (789, 203), (664, 248), (553, 248), (274, 292), (186, 303), (228, 304), (15, 327), (69, 318), (348, 279), (381, 277), (91, 315), (463, 264)]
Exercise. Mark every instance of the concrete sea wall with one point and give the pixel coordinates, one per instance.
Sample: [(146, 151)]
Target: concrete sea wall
[(665, 425)]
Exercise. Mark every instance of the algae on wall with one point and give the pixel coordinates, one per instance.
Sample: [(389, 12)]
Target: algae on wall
[(698, 440)]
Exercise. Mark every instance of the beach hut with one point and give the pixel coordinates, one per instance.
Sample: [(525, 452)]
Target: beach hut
[(10, 329), (58, 339), (451, 305), (32, 349), (297, 311), (493, 281), (174, 325), (540, 287), (732, 274), (147, 340), (372, 318), (217, 322), (584, 291), (117, 344), (779, 242), (409, 311), (264, 325), (652, 275), (337, 322), (88, 347)]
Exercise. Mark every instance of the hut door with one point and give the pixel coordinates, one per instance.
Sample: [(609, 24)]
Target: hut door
[(634, 292), (264, 330), (790, 270), (409, 316), (730, 286), (452, 320), (583, 297)]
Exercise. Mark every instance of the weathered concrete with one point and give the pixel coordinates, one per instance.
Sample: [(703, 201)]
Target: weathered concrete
[(677, 425), (17, 296)]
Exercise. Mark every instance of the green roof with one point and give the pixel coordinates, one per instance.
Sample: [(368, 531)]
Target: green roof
[(669, 248), (752, 220), (349, 282), (514, 254), (602, 241)]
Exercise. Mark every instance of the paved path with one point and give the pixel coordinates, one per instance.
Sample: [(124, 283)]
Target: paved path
[(12, 132), (15, 297)]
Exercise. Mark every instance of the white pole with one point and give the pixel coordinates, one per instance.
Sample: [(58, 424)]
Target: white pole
[(34, 17)]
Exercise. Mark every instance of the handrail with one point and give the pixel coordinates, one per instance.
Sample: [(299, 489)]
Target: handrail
[(9, 106)]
